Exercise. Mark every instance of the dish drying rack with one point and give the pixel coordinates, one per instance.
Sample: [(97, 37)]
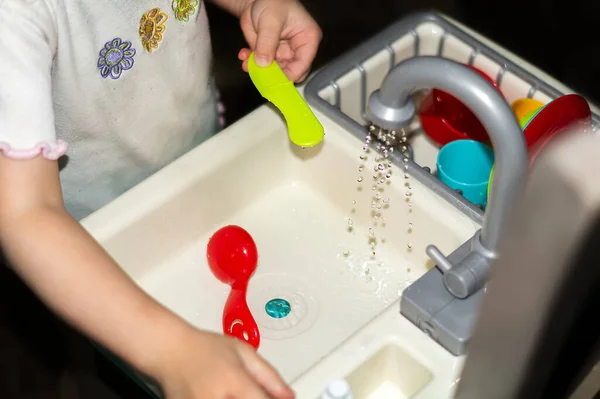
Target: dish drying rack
[(341, 89)]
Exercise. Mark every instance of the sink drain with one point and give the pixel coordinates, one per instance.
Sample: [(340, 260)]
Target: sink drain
[(278, 308), (287, 305)]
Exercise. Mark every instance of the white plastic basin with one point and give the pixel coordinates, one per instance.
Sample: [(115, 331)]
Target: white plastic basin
[(296, 204)]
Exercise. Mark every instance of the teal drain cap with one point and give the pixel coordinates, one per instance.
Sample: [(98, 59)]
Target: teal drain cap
[(278, 308)]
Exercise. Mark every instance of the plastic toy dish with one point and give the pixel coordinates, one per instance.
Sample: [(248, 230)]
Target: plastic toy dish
[(444, 118), (304, 129), (465, 165), (524, 121), (554, 119), (542, 125), (524, 106)]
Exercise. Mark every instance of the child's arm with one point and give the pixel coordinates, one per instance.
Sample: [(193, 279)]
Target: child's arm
[(71, 272), (73, 275), (234, 7)]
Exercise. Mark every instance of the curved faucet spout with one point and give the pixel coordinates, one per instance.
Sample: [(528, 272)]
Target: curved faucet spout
[(392, 107)]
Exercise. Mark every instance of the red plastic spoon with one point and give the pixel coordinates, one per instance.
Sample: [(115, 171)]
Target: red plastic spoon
[(233, 257)]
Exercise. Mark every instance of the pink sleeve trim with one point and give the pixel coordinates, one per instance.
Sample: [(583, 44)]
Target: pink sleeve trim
[(47, 151)]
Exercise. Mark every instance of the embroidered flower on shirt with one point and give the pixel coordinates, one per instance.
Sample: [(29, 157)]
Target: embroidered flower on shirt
[(115, 57), (152, 27), (183, 9)]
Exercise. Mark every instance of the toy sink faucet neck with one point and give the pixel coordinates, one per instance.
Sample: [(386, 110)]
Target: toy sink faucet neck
[(392, 107)]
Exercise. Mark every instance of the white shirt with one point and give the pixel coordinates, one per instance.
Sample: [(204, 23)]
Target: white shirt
[(124, 85)]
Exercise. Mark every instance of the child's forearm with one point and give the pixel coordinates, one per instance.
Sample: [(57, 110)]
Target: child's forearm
[(235, 7), (73, 275)]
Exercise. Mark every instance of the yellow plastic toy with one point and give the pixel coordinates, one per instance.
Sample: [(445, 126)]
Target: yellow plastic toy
[(524, 106), (304, 129)]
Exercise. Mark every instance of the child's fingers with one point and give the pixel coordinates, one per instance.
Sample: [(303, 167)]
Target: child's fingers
[(303, 77), (241, 384), (304, 53), (248, 29), (244, 54), (284, 52), (264, 374), (269, 34)]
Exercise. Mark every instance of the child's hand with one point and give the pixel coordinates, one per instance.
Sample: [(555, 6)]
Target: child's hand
[(282, 30), (213, 366)]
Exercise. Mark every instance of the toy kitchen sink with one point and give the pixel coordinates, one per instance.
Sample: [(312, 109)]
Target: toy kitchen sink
[(341, 232)]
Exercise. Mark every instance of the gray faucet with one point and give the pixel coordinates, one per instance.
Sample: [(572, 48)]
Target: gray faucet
[(392, 107)]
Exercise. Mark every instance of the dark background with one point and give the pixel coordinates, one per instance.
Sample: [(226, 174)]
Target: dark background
[(558, 37)]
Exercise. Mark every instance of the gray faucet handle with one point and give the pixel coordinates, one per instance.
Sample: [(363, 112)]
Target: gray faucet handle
[(439, 258), (467, 275)]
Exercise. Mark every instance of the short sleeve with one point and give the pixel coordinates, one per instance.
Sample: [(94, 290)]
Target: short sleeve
[(27, 46)]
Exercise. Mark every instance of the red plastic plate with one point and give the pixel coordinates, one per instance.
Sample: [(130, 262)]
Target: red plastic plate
[(555, 118)]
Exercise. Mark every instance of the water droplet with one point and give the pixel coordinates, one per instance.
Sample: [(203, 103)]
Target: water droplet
[(404, 139), (382, 180), (353, 202), (406, 176), (405, 167), (359, 179), (388, 175), (371, 233), (362, 157), (350, 222), (374, 188), (408, 193), (386, 201), (346, 254), (405, 160), (361, 168), (409, 245)]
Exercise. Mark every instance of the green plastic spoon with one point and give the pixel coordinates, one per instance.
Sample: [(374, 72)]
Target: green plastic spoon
[(304, 129)]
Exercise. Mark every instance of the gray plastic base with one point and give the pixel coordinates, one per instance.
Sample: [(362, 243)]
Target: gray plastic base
[(447, 319)]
